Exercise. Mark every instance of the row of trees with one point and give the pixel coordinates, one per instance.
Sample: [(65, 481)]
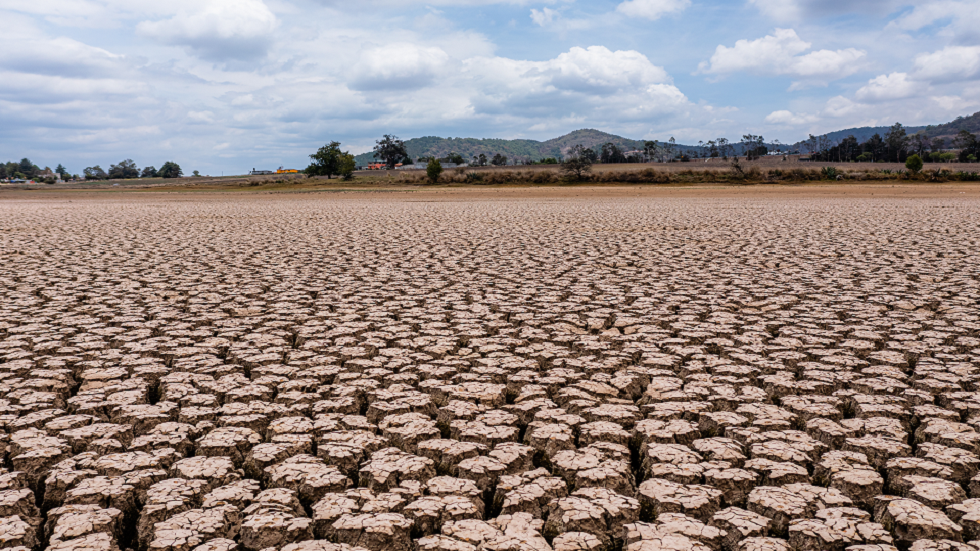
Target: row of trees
[(895, 147), (127, 170), (27, 170), (391, 151)]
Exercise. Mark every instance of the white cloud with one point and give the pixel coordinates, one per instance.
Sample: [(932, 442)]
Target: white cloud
[(59, 56), (788, 118), (960, 17), (217, 30), (402, 66), (598, 68), (592, 84), (888, 87), (652, 9), (201, 117), (951, 64), (839, 106), (544, 17), (782, 53)]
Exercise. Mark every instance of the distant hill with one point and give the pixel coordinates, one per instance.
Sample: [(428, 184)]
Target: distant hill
[(865, 132), (516, 150), (432, 146), (948, 130)]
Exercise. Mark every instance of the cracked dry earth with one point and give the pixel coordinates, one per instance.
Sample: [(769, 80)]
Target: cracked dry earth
[(218, 373)]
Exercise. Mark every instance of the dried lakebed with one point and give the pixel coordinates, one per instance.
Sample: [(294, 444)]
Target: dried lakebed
[(310, 373)]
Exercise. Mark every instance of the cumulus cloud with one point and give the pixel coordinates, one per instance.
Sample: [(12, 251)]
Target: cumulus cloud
[(788, 118), (960, 18), (217, 30), (951, 64), (595, 83), (839, 106), (402, 66), (652, 9), (888, 87), (598, 69), (543, 17), (782, 53)]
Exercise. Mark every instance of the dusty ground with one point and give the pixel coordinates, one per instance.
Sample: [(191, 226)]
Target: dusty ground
[(492, 369)]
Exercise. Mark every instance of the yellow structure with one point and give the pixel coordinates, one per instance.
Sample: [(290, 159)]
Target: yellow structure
[(287, 171)]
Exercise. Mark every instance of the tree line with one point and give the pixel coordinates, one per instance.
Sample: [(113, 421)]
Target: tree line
[(895, 147), (27, 170), (125, 170)]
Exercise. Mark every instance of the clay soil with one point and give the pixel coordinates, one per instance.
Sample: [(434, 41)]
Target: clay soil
[(335, 366)]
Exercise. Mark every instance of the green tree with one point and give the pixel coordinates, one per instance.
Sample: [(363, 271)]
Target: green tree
[(3, 172), (456, 159), (95, 173), (919, 143), (124, 170), (391, 150), (27, 168), (149, 172), (480, 160), (897, 141), (498, 160), (347, 166), (170, 169), (914, 163), (968, 145), (328, 161), (651, 149), (876, 146), (61, 171), (578, 163), (196, 174), (611, 154), (433, 170)]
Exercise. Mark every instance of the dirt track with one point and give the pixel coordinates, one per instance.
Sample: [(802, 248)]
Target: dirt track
[(491, 369)]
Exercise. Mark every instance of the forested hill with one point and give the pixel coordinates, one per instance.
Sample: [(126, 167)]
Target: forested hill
[(517, 150), (948, 130), (432, 146), (970, 124)]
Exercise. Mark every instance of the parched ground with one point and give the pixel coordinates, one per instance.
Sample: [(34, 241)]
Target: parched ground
[(505, 369)]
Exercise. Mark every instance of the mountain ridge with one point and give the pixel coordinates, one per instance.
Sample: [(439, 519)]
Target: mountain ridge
[(533, 150)]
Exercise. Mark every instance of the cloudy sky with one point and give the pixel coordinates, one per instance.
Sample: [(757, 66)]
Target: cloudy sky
[(228, 85)]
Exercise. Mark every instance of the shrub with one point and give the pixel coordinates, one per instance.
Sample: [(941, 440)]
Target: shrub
[(829, 173), (736, 170), (433, 170), (914, 164)]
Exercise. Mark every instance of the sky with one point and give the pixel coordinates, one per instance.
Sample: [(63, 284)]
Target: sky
[(224, 86)]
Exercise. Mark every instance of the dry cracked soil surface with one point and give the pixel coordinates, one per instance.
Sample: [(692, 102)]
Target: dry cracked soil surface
[(563, 370)]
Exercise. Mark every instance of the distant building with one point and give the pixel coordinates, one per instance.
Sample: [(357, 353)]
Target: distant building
[(260, 172)]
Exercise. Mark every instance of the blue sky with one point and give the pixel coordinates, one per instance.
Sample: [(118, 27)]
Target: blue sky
[(223, 86)]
